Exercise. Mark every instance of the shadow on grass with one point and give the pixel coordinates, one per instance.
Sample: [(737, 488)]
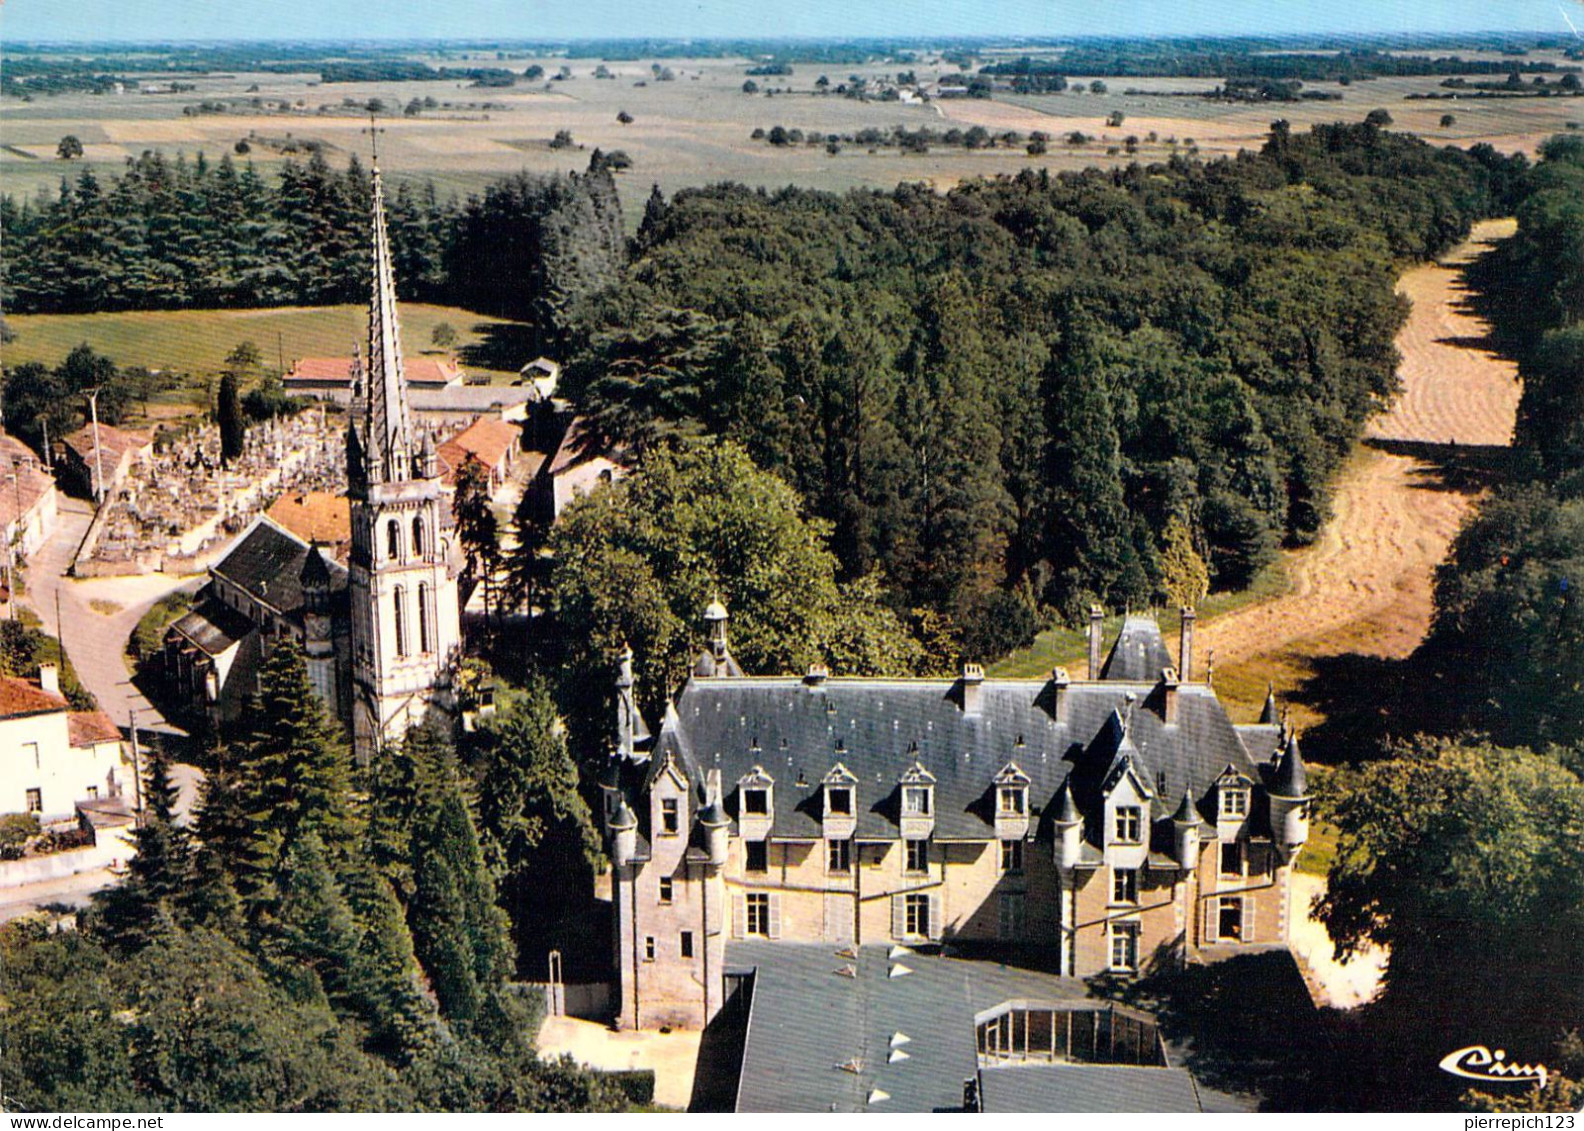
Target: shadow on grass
[(1460, 468), (1245, 1027), (504, 346)]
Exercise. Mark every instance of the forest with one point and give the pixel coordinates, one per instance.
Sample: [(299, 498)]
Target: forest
[(322, 938), (1001, 396)]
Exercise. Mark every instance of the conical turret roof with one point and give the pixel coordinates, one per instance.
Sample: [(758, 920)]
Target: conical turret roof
[(1291, 780)]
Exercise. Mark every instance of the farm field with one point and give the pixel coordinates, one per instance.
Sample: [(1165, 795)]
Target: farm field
[(196, 342), (695, 129)]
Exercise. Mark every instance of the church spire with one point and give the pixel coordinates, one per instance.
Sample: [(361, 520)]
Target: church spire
[(388, 431)]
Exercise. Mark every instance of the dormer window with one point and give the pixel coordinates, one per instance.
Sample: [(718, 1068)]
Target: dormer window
[(1012, 800), (1234, 802), (670, 818), (918, 802), (755, 805), (1129, 828), (838, 801)]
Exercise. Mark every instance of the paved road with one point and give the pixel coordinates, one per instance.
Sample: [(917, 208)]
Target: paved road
[(95, 638)]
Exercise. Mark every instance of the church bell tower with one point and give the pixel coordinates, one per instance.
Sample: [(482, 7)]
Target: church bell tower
[(406, 628)]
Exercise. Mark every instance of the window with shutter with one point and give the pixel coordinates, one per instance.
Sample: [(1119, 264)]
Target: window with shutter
[(1248, 919), (1212, 908), (935, 925), (739, 915), (774, 925), (898, 916)]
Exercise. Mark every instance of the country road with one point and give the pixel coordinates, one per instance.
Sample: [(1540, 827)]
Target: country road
[(1364, 588), (97, 617)]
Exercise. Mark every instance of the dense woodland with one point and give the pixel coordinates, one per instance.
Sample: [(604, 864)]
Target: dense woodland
[(323, 938), (1012, 388)]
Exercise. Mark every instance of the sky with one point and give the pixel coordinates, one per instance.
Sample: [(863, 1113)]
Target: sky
[(102, 20)]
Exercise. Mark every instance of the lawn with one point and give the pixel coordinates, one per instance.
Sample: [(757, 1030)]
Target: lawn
[(196, 342)]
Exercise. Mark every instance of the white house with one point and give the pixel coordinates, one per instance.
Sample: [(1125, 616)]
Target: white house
[(51, 757)]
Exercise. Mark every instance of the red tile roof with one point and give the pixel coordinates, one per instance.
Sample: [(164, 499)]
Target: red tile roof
[(18, 697), (316, 516), (487, 440), (85, 728), (338, 371), (117, 442)]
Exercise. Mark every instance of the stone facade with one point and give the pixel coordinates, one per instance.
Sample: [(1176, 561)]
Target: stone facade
[(1120, 824)]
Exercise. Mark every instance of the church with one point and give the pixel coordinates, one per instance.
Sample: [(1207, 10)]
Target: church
[(381, 631)]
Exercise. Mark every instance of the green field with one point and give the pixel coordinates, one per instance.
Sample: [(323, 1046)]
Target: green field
[(694, 129), (195, 342)]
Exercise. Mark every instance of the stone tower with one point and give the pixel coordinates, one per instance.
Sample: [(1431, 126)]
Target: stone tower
[(405, 626)]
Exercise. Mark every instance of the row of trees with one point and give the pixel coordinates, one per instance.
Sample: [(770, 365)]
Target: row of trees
[(172, 233), (1458, 853), (1014, 387), (324, 937)]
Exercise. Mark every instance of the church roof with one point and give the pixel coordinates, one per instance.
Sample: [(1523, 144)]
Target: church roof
[(212, 627), (267, 564), (321, 516)]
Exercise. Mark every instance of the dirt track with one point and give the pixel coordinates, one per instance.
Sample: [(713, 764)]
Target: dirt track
[(1365, 586)]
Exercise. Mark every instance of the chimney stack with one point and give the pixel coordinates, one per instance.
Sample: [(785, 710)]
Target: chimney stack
[(1096, 624), (1185, 654), (1169, 685), (49, 678), (1061, 691), (972, 689)]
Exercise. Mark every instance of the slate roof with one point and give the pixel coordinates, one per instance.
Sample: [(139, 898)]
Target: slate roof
[(267, 563), (806, 1020), (1139, 652), (797, 730), (212, 627), (1036, 1088)]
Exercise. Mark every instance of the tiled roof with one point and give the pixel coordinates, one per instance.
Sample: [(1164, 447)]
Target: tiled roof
[(338, 371), (1039, 1088), (878, 728), (320, 516), (116, 442), (31, 484), (85, 728), (577, 445), (267, 563), (487, 440), (19, 697)]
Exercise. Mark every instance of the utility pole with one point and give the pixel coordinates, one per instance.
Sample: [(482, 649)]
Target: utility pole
[(93, 405), (137, 765), (49, 462)]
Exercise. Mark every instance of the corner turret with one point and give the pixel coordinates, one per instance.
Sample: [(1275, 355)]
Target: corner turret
[(1289, 802), (1069, 829), (1185, 833)]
